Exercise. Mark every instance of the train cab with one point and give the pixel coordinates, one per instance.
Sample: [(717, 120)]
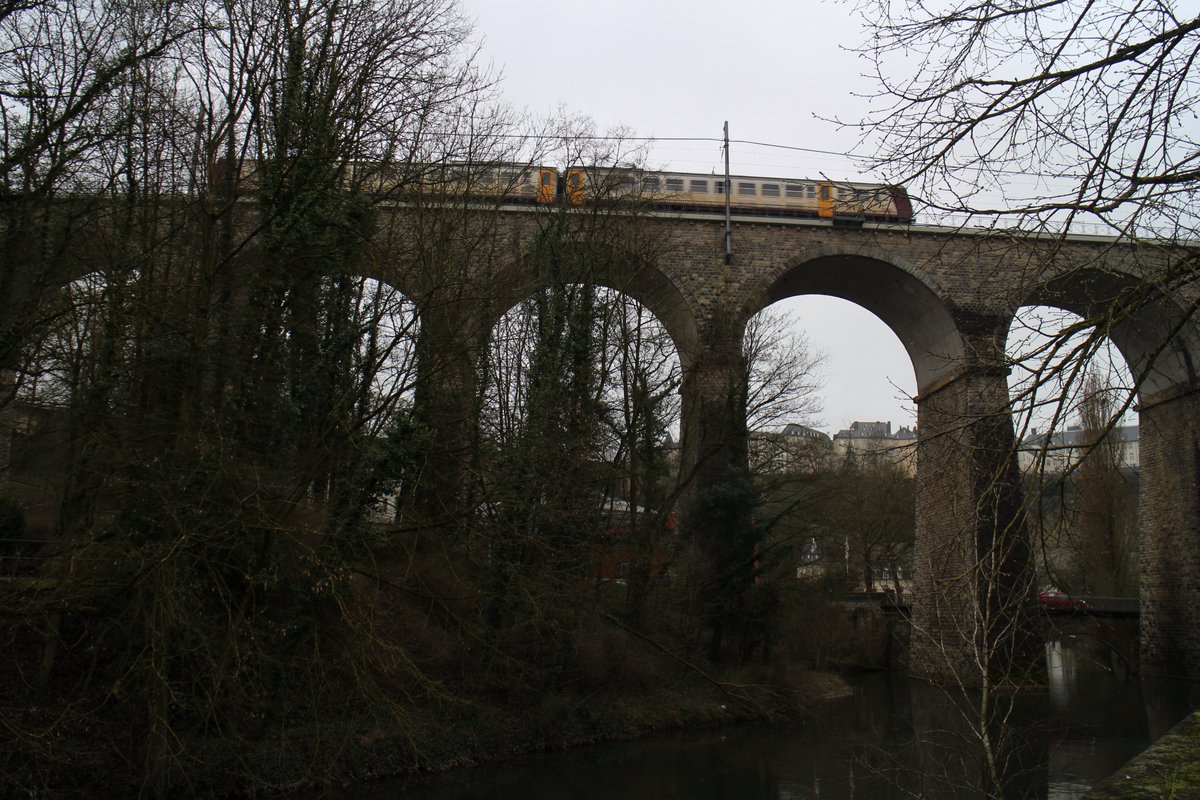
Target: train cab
[(574, 180), (547, 185), (825, 196)]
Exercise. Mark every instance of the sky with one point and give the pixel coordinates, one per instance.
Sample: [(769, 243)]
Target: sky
[(777, 70)]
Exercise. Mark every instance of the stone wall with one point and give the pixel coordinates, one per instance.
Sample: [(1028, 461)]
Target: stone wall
[(1169, 519)]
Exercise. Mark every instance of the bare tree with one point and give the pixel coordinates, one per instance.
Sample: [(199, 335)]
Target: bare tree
[(871, 511), (1097, 541), (1092, 99), (783, 376)]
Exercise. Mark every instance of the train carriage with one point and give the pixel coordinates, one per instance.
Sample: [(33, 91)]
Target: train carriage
[(749, 194), (681, 191)]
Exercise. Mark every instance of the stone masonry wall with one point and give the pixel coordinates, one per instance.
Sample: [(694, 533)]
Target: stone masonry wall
[(1169, 517)]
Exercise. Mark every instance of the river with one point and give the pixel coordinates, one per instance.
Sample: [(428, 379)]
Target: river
[(894, 738)]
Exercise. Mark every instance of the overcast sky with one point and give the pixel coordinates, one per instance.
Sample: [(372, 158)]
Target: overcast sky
[(777, 70)]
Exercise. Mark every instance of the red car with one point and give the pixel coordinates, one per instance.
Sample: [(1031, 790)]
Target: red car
[(1060, 599)]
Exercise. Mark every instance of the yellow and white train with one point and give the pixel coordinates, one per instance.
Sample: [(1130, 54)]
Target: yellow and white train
[(693, 192), (680, 191)]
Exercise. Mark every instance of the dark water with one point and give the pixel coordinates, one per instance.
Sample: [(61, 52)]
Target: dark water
[(894, 738)]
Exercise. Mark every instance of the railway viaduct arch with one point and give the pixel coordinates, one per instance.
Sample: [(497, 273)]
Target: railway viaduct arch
[(950, 297)]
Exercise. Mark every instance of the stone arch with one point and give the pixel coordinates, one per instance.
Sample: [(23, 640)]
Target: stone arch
[(393, 279), (1158, 340), (644, 282), (966, 479), (895, 294), (1161, 344)]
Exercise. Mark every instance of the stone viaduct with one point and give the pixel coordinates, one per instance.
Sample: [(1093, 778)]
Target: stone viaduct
[(949, 296)]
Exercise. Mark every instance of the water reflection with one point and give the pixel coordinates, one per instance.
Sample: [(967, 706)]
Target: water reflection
[(1077, 667), (893, 739)]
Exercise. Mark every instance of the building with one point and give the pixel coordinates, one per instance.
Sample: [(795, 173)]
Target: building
[(636, 538), (795, 448), (876, 441), (1059, 450)]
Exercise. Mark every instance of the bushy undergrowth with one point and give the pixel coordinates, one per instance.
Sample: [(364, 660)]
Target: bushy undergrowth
[(290, 678)]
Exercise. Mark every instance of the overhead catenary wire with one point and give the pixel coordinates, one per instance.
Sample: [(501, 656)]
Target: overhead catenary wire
[(720, 142)]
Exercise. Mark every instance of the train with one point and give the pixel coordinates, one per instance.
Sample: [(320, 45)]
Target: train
[(686, 191), (677, 191)]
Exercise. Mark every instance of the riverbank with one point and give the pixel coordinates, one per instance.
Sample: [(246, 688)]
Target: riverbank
[(890, 740), (1167, 770), (433, 739)]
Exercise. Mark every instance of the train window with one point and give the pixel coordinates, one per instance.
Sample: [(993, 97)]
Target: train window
[(770, 190), (546, 178), (650, 183), (486, 176), (795, 191), (810, 192), (700, 187), (510, 176), (719, 186), (746, 189), (674, 184)]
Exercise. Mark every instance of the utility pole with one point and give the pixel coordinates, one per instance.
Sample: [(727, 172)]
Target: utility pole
[(728, 189)]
